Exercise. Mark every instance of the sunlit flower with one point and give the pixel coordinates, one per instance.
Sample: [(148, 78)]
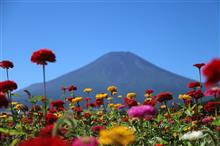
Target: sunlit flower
[(119, 135), (85, 141), (112, 89), (184, 97), (192, 135), (6, 64), (6, 86), (87, 90), (131, 95), (101, 95), (43, 56), (212, 72), (77, 99)]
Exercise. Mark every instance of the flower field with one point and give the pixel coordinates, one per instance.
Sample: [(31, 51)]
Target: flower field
[(109, 118)]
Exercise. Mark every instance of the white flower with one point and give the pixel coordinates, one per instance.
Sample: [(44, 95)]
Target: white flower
[(192, 135)]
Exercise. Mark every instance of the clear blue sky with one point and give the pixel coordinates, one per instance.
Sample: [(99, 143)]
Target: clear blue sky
[(171, 34)]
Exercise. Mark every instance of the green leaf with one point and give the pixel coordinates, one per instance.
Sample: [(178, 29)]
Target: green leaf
[(11, 132), (15, 95), (14, 142), (216, 122), (35, 99)]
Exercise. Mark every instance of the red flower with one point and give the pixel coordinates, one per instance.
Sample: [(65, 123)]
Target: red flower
[(44, 141), (57, 103), (196, 94), (97, 128), (210, 106), (46, 131), (130, 102), (5, 64), (70, 99), (8, 85), (150, 102), (194, 85), (43, 56), (72, 88), (164, 96), (78, 109), (199, 65), (87, 115), (3, 101), (212, 72), (149, 91), (51, 118), (98, 102)]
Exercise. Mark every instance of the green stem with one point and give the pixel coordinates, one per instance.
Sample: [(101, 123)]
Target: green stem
[(45, 93)]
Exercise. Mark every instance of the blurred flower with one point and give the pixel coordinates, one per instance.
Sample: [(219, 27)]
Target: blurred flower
[(184, 97), (87, 90), (119, 96), (85, 141), (141, 111), (6, 64), (194, 85), (164, 96), (215, 91), (110, 98), (43, 56), (196, 94), (57, 103), (212, 72), (43, 141), (119, 135), (148, 93), (87, 115), (151, 102), (207, 120), (46, 131), (51, 118), (131, 95), (97, 128), (8, 85), (98, 102), (192, 135), (3, 100), (210, 106)]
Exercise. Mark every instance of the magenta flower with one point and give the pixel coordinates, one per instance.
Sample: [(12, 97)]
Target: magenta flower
[(207, 120), (85, 141), (141, 111)]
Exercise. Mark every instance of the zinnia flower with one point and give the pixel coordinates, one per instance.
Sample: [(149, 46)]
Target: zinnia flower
[(199, 65), (194, 85), (43, 56), (141, 111), (97, 128), (44, 141), (5, 64), (164, 96), (3, 101), (192, 135), (210, 106), (87, 90), (46, 131), (215, 91), (119, 135), (8, 85), (57, 103), (72, 88), (184, 97), (131, 95), (212, 72), (130, 102), (51, 118), (112, 89), (196, 94), (85, 141)]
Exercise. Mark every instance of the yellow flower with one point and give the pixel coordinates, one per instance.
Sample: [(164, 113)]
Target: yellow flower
[(19, 106), (194, 123), (14, 103), (3, 116), (58, 115), (163, 106), (111, 105), (184, 97), (110, 98), (119, 135), (119, 96), (131, 95), (87, 90), (117, 105), (148, 95), (77, 99), (101, 95), (112, 89)]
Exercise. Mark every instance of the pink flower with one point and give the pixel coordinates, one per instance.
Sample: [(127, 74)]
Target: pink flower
[(207, 120), (141, 111), (85, 141)]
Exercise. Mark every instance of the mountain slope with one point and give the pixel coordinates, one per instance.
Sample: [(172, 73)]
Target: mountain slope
[(123, 69)]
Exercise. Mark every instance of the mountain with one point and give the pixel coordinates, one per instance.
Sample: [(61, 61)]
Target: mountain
[(125, 70)]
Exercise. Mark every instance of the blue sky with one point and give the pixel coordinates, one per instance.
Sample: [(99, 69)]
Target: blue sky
[(171, 34)]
